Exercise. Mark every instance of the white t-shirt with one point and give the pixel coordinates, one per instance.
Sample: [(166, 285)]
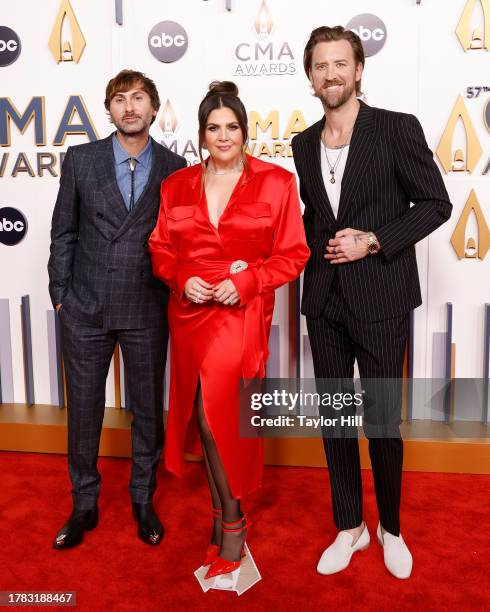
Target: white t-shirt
[(333, 189)]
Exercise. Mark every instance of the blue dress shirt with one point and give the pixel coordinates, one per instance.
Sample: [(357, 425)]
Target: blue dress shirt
[(123, 173)]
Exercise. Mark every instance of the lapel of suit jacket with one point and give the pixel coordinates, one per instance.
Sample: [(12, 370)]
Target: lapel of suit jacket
[(313, 157), (106, 175), (157, 172), (360, 151)]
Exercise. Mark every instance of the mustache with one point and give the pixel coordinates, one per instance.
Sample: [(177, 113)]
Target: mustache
[(131, 116), (330, 83)]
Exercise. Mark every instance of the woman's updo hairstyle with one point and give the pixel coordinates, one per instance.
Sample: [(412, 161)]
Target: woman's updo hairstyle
[(221, 94)]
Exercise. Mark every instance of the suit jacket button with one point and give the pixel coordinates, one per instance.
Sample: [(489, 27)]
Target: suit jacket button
[(99, 215), (110, 270)]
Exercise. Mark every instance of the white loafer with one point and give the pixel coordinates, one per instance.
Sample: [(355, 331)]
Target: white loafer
[(398, 559), (337, 556)]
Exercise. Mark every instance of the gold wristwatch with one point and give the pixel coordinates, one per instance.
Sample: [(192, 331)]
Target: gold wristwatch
[(373, 245)]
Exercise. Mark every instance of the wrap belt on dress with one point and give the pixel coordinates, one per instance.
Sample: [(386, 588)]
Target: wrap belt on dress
[(255, 351)]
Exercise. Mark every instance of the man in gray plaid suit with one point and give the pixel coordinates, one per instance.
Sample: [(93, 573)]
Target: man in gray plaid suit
[(102, 286)]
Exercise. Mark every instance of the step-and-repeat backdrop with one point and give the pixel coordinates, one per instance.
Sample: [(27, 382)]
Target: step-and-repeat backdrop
[(426, 57)]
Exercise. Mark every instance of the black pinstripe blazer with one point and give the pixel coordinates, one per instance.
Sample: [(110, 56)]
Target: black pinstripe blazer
[(389, 165), (99, 267)]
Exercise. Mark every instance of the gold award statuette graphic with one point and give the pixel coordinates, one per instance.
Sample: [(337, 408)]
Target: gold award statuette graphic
[(168, 120), (64, 50), (460, 161), (470, 248), (263, 21), (469, 38)]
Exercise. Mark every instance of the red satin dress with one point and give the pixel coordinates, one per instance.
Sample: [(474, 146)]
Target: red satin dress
[(215, 343)]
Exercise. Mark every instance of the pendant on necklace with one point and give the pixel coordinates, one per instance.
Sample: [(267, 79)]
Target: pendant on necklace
[(332, 175), (332, 180)]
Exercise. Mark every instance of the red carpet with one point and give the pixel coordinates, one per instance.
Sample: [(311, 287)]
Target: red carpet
[(444, 520)]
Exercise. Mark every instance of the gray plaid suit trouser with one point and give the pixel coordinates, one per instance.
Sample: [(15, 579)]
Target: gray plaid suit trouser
[(87, 353)]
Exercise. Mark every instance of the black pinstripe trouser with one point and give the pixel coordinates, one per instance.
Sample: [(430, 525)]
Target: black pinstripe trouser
[(338, 339), (87, 354)]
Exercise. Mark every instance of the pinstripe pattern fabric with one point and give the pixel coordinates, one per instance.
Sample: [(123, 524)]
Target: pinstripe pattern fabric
[(87, 353), (337, 339), (389, 165), (100, 268), (359, 310)]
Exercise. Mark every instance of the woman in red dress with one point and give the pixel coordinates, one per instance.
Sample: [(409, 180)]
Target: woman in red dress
[(229, 233)]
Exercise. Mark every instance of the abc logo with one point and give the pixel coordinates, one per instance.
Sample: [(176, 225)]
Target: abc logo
[(371, 30), (9, 46), (168, 41), (13, 226)]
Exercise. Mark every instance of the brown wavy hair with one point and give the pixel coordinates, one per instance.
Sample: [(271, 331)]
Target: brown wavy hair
[(128, 79), (327, 34)]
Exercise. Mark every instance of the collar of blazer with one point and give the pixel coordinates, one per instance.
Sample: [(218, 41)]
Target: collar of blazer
[(360, 151), (106, 175)]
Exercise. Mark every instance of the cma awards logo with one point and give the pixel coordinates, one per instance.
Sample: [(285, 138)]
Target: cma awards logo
[(75, 120), (66, 48), (465, 156), (263, 56), (470, 37), (267, 139), (168, 124)]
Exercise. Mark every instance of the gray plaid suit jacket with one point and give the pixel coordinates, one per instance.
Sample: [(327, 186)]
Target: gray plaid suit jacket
[(388, 167), (99, 267)]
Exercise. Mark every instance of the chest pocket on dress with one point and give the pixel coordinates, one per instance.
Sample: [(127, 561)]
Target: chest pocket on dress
[(177, 213), (254, 219), (180, 222)]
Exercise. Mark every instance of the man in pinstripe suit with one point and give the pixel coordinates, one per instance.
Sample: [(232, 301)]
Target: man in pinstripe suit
[(359, 170), (102, 286)]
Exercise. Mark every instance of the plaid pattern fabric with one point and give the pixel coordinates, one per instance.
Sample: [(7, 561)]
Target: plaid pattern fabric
[(99, 267), (87, 353)]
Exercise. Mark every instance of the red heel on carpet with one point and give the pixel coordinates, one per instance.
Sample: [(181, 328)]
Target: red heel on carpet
[(224, 566)]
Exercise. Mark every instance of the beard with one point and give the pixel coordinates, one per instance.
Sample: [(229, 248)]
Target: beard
[(331, 100), (131, 129)]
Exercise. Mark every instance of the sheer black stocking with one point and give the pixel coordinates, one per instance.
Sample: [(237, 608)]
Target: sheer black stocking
[(231, 543), (216, 535)]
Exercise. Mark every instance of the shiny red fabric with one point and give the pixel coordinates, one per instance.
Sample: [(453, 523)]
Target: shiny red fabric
[(214, 343)]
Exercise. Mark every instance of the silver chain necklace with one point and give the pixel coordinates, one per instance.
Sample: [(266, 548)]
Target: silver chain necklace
[(333, 168), (238, 168)]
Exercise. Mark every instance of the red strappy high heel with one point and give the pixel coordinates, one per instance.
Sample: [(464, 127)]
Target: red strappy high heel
[(223, 566), (213, 549)]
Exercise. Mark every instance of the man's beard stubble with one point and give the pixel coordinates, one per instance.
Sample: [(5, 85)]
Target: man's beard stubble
[(131, 130), (338, 101)]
